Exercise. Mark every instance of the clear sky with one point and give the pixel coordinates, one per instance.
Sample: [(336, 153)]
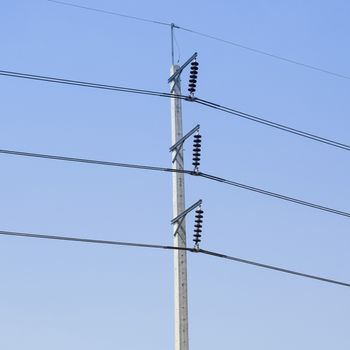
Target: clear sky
[(59, 295)]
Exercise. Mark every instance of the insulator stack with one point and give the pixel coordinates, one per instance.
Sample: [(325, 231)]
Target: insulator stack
[(198, 227), (197, 144), (193, 77)]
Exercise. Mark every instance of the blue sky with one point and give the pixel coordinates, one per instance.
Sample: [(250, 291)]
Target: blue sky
[(66, 295)]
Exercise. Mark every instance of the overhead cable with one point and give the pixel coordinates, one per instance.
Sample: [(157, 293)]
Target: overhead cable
[(170, 170), (212, 37), (271, 124), (206, 103), (266, 53), (88, 84), (142, 19), (157, 246), (271, 267), (88, 240)]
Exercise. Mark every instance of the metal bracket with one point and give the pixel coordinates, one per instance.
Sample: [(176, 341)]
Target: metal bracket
[(178, 72), (178, 145), (185, 212)]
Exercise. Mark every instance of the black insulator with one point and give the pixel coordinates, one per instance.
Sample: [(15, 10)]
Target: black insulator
[(199, 217), (193, 81), (191, 90), (197, 136), (194, 70), (193, 75), (194, 63), (192, 85), (199, 211)]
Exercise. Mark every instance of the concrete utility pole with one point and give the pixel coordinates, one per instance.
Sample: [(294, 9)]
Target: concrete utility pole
[(180, 257)]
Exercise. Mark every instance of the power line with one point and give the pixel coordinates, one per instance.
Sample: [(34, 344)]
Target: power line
[(272, 124), (271, 267), (92, 161), (188, 172), (206, 103), (89, 84), (88, 240), (157, 246), (273, 194), (212, 37), (265, 53), (110, 13)]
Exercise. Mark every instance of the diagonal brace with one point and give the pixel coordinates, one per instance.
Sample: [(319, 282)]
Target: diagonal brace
[(185, 212), (178, 72)]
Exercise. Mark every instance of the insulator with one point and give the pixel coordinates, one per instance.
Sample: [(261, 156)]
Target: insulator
[(199, 217), (193, 75), (191, 90), (194, 70), (197, 136), (199, 211), (194, 63), (191, 85), (193, 81)]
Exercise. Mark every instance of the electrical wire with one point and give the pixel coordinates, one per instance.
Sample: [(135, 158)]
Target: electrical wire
[(157, 246), (110, 12), (273, 194), (265, 53), (89, 85), (88, 240), (212, 37), (271, 124), (170, 170), (271, 267), (200, 101), (92, 161)]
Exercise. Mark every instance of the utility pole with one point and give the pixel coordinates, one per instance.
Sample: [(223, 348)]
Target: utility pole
[(180, 257)]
